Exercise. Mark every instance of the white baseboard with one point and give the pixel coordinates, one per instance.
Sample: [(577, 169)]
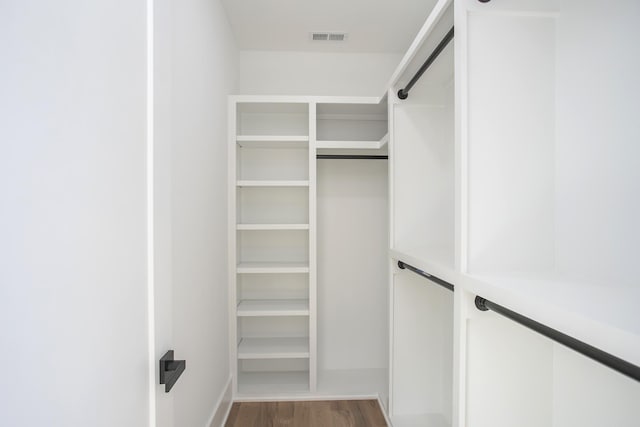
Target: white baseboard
[(302, 397), (223, 406), (387, 418)]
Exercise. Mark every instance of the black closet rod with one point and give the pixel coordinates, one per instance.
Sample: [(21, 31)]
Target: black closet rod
[(350, 156), (609, 360), (428, 276), (404, 93)]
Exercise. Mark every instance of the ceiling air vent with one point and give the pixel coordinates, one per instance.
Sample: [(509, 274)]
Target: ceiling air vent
[(328, 37)]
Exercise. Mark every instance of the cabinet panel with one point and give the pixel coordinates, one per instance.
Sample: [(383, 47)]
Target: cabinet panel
[(511, 140), (422, 348)]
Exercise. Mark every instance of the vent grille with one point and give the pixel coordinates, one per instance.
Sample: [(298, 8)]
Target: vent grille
[(328, 36)]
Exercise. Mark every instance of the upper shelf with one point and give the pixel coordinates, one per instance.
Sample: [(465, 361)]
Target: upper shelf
[(354, 145)]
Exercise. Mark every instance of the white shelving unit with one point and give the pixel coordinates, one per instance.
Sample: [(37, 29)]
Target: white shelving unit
[(273, 145), (272, 240), (422, 153), (496, 160)]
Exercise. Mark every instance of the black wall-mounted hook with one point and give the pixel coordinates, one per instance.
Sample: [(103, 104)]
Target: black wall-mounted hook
[(170, 370)]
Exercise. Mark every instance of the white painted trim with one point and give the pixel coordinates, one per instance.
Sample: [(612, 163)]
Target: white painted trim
[(150, 202), (303, 397), (384, 413), (459, 386), (435, 15), (223, 406), (313, 295), (391, 101), (231, 241), (306, 99)]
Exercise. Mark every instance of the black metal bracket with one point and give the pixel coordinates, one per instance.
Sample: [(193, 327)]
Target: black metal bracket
[(170, 370), (481, 304), (434, 279), (607, 359)]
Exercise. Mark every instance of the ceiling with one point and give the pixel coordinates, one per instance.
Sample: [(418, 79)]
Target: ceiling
[(372, 25)]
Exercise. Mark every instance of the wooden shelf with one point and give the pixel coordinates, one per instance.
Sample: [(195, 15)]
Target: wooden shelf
[(255, 308), (270, 183), (272, 267), (272, 383), (354, 145), (273, 348), (273, 227)]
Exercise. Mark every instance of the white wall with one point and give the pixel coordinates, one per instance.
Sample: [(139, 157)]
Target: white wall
[(72, 214), (352, 264), (203, 73), (307, 73), (598, 155), (162, 208)]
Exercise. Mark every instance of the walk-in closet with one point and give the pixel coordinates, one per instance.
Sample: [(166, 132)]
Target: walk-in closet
[(363, 213), (479, 215)]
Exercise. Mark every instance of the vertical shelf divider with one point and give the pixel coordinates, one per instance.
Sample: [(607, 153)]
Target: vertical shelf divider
[(232, 218), (313, 340)]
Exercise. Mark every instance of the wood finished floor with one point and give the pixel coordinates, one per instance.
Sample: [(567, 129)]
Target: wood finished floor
[(330, 413)]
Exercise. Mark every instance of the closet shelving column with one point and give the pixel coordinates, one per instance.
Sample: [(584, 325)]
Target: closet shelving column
[(271, 245), (422, 162)]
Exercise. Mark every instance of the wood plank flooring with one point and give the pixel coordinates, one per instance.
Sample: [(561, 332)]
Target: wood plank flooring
[(329, 413)]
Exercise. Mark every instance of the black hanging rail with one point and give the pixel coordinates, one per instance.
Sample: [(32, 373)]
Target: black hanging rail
[(609, 360), (350, 156), (428, 276), (404, 93)]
